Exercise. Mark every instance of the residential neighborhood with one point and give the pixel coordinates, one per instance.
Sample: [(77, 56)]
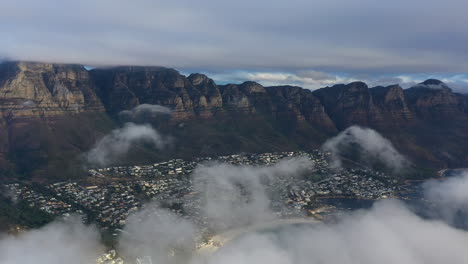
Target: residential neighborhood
[(125, 189)]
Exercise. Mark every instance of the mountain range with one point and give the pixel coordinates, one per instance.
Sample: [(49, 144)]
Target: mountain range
[(50, 114)]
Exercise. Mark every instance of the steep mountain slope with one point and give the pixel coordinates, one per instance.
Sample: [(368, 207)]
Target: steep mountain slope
[(48, 114), (426, 122), (208, 119), (51, 114)]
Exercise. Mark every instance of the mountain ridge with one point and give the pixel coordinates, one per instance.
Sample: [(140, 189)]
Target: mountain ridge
[(210, 119)]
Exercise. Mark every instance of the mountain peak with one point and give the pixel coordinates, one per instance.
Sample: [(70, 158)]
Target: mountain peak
[(433, 84), (358, 85), (198, 78), (252, 87)]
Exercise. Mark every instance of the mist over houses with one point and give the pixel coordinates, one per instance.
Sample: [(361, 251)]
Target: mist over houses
[(112, 194)]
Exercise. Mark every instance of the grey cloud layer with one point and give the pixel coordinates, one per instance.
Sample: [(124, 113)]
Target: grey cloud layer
[(348, 35)]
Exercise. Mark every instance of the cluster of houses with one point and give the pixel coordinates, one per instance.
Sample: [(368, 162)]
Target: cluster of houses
[(43, 201), (111, 203), (170, 184), (169, 168), (360, 184)]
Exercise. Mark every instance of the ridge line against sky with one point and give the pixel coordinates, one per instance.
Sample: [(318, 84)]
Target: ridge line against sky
[(315, 79), (298, 42)]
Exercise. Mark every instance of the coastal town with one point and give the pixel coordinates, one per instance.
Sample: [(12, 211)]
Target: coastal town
[(111, 194)]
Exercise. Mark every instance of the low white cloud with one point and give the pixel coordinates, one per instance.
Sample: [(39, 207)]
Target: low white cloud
[(234, 196), (145, 110), (64, 241), (370, 145), (28, 104), (387, 233), (450, 198), (156, 233), (115, 145)]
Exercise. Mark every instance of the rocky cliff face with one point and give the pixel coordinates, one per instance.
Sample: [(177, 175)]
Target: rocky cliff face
[(44, 110), (123, 88), (433, 99), (51, 111), (290, 102), (391, 103), (197, 96), (210, 100), (349, 104), (44, 90)]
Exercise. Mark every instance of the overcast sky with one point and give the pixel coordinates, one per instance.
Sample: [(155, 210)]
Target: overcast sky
[(303, 42)]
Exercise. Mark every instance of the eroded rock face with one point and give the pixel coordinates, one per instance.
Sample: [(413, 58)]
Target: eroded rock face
[(211, 101), (349, 104), (433, 99), (123, 88), (300, 104), (234, 99), (44, 109), (29, 89), (392, 104)]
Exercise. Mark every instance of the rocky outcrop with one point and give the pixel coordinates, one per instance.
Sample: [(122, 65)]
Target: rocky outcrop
[(48, 115), (349, 104), (247, 97), (433, 99), (391, 102), (123, 88), (292, 102), (29, 89), (210, 100)]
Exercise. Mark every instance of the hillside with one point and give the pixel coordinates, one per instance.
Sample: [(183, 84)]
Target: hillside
[(51, 114)]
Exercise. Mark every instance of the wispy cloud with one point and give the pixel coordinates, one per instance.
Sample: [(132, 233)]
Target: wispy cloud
[(156, 233), (62, 241), (112, 147), (368, 144), (144, 112), (235, 196), (115, 145)]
